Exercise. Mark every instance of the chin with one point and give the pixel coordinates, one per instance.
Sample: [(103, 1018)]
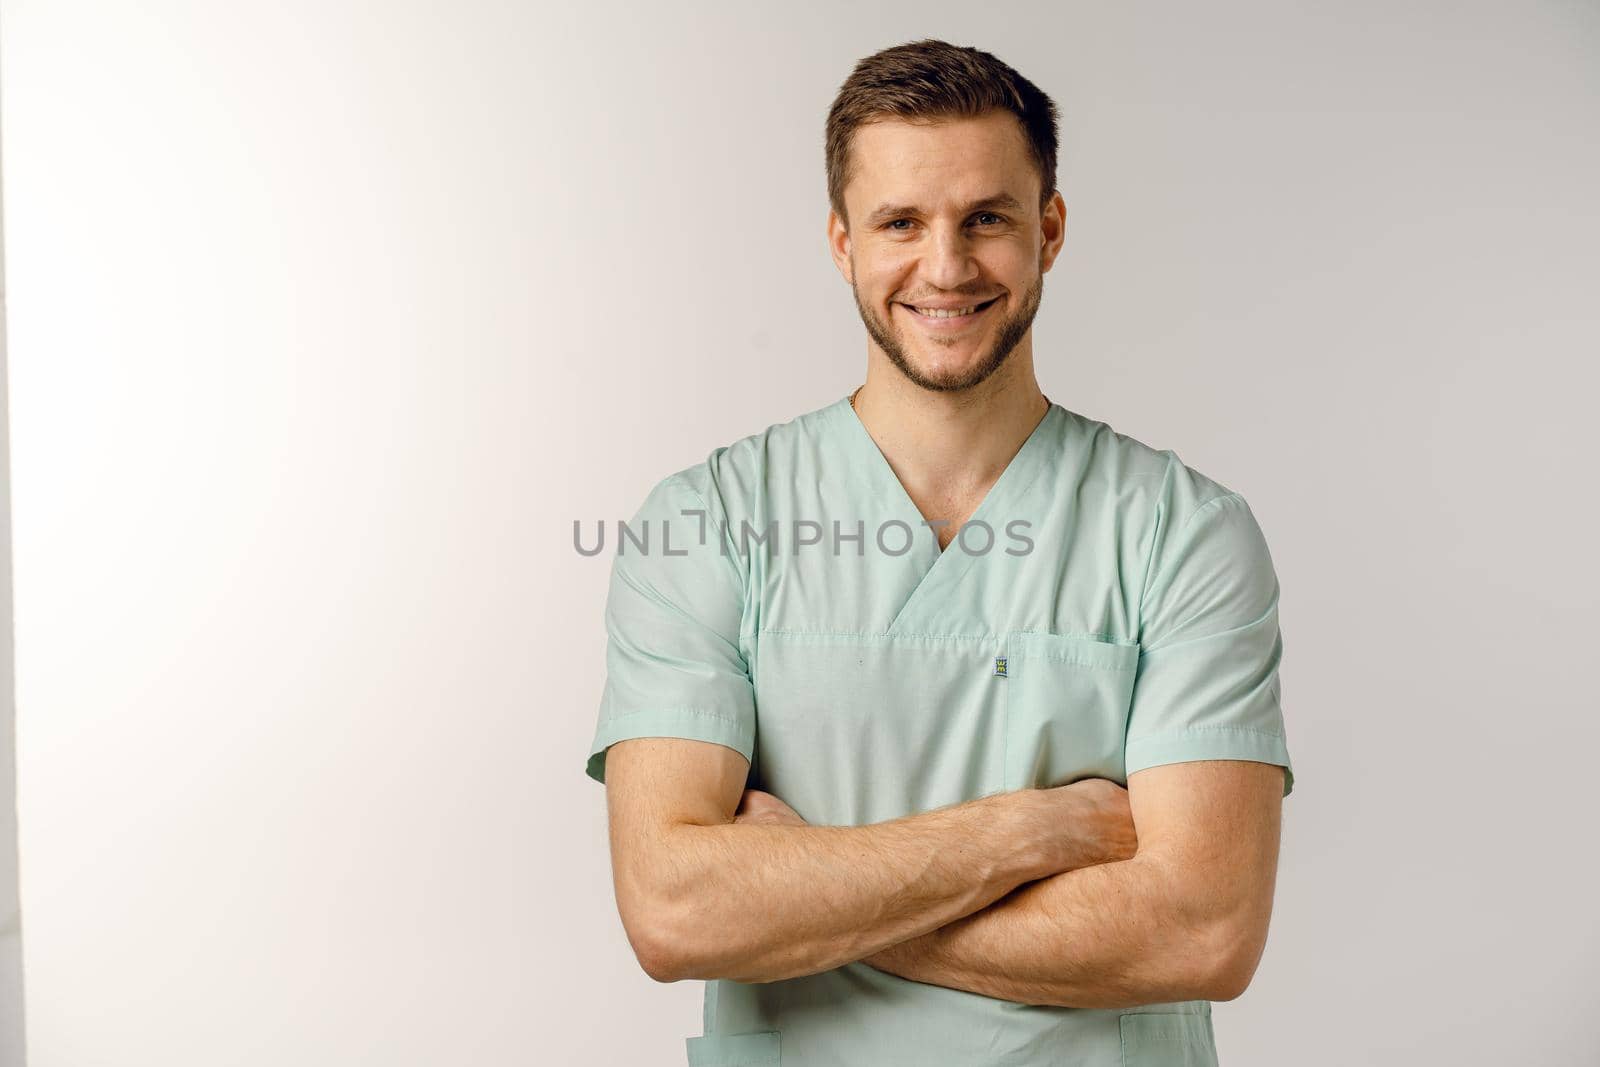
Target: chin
[(947, 377), (944, 366)]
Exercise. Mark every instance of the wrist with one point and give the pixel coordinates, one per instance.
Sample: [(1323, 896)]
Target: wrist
[(1032, 832), (906, 959)]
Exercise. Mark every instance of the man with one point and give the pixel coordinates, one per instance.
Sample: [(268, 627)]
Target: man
[(941, 724)]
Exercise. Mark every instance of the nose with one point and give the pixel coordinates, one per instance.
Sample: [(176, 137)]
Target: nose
[(947, 262)]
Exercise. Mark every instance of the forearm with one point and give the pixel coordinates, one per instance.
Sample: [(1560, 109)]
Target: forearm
[(756, 903), (1112, 935)]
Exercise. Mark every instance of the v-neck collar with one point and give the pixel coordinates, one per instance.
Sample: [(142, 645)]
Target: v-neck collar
[(943, 567)]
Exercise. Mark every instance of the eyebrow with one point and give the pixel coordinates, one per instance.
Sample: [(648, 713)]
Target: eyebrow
[(1000, 201)]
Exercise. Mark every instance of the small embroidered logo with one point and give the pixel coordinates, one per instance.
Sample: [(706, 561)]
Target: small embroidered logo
[(999, 666)]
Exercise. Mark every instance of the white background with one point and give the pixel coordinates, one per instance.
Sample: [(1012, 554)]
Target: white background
[(326, 320)]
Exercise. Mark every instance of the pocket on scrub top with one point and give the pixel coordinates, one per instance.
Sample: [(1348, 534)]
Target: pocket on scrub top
[(1167, 1039), (735, 1050), (1067, 700)]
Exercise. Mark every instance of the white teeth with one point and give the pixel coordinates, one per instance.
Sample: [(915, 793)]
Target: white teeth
[(936, 313)]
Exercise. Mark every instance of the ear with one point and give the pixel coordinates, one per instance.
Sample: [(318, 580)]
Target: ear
[(1053, 227), (839, 245)]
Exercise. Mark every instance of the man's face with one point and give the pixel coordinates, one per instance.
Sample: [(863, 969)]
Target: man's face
[(946, 216)]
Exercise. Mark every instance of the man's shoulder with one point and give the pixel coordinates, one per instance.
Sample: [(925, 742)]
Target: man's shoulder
[(1140, 475), (730, 479)]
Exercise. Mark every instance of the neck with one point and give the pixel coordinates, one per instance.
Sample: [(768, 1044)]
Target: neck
[(947, 449)]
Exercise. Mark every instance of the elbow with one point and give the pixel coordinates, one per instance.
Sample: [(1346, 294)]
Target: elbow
[(655, 944), (671, 931), (671, 916), (670, 947), (1227, 985), (1231, 963), (659, 960)]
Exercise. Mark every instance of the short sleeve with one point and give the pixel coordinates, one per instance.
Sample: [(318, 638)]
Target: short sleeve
[(1209, 646), (673, 610)]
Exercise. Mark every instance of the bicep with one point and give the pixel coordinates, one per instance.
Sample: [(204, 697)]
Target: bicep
[(652, 785), (1213, 828), (652, 782)]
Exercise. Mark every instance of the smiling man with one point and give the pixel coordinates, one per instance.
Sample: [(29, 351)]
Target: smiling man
[(987, 767)]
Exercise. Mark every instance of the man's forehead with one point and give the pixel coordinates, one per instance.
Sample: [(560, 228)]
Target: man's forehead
[(953, 164)]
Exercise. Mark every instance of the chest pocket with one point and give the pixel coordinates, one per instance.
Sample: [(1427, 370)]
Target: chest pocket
[(1066, 700)]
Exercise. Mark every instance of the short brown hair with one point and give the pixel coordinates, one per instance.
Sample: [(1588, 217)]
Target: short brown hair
[(930, 80)]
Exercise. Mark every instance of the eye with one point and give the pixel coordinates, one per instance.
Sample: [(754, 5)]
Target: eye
[(896, 227)]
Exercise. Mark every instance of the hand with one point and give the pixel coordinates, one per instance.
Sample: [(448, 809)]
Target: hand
[(1079, 825), (1101, 823), (758, 807)]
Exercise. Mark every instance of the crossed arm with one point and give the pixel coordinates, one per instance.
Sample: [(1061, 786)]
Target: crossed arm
[(1184, 918), (1023, 896)]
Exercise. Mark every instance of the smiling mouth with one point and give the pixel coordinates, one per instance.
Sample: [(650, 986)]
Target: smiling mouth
[(953, 315)]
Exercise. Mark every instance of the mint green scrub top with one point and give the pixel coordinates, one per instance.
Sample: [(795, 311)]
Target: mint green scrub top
[(1107, 608)]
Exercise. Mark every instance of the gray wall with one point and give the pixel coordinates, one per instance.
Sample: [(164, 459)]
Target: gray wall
[(11, 1002), (326, 320)]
